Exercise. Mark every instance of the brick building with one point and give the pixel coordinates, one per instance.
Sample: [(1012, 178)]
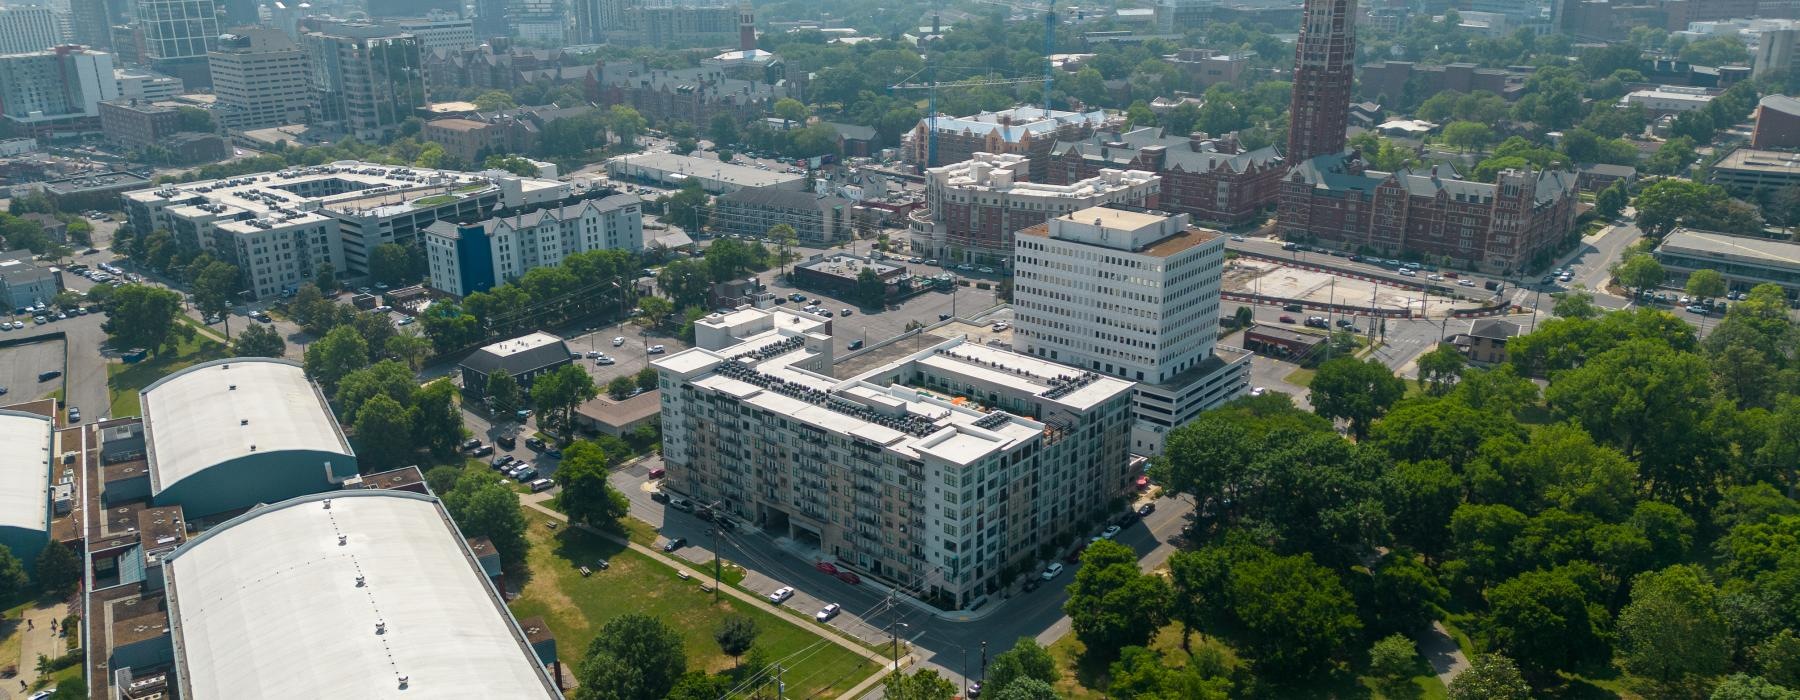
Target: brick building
[(691, 95), (1777, 123), (1208, 67), (974, 207), (1212, 180), (1028, 131), (1494, 227), (818, 220), (1386, 82), (135, 124), (1324, 70)]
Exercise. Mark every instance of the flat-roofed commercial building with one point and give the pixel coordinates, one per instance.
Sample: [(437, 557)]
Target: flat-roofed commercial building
[(935, 472), (1134, 294), (25, 483), (279, 227), (526, 358), (1744, 261), (232, 433), (364, 593), (1747, 169), (671, 170)]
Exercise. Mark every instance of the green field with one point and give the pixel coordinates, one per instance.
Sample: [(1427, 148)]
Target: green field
[(124, 381), (576, 607)]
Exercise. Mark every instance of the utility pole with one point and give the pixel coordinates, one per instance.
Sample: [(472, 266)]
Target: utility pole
[(779, 686), (984, 659), (718, 559)]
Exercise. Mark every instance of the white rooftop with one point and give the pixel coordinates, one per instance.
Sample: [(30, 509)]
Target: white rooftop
[(24, 470), (223, 410), (271, 605), (999, 173), (514, 346)]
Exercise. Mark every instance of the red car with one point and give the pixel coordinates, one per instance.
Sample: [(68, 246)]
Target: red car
[(848, 577), (1287, 319), (826, 567)]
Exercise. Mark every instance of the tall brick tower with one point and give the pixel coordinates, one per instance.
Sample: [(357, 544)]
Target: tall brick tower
[(1324, 69), (746, 27)]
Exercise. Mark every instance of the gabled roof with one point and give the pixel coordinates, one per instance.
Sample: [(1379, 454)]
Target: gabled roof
[(1332, 171), (1179, 154), (1493, 329)]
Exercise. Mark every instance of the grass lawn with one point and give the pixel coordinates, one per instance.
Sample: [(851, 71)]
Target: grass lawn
[(1301, 377), (576, 608), (124, 381)]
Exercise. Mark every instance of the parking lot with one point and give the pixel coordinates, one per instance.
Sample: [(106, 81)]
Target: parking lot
[(20, 365), (628, 358), (1274, 279)]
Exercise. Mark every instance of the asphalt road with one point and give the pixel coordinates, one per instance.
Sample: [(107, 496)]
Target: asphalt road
[(867, 613)]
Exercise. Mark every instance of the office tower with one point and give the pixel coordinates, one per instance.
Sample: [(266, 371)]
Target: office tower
[(1324, 69), (260, 78), (1131, 293), (440, 31), (55, 86), (177, 28), (90, 22), (368, 78)]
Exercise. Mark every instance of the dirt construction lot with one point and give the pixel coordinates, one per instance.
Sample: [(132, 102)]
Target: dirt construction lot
[(1274, 279)]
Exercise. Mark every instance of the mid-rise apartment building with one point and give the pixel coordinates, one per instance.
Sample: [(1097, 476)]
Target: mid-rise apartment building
[(55, 87), (973, 207), (1496, 227), (817, 219), (369, 78), (1134, 294), (692, 95), (440, 31), (260, 78), (1214, 180), (660, 23), (1387, 82), (475, 257), (141, 84), (27, 28), (279, 227), (935, 472)]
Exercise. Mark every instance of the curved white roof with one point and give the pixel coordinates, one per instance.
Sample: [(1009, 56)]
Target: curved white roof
[(218, 411), (267, 605), (24, 470)]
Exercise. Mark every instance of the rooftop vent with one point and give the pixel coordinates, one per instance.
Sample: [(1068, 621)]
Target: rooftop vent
[(243, 421), (403, 682), (381, 628), (361, 581), (327, 504), (344, 540)]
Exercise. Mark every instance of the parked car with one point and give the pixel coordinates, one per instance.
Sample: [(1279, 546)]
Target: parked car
[(1052, 571), (846, 311), (1145, 510), (674, 544), (534, 442), (542, 485), (48, 375), (74, 415), (1697, 309), (826, 567), (604, 360), (1110, 532), (656, 349), (1286, 319), (618, 340), (856, 344), (849, 577), (482, 451), (781, 595), (826, 613)]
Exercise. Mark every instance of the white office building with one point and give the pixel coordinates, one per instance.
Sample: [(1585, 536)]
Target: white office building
[(279, 227), (1134, 294), (260, 78), (27, 28), (441, 31), (146, 85), (65, 83), (468, 258), (934, 472), (1668, 99)]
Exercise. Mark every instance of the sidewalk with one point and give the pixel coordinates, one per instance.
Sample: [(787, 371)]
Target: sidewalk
[(38, 639), (804, 553), (535, 502)]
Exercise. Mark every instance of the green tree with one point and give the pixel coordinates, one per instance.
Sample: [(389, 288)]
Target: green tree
[(1292, 614), (656, 309), (1468, 136), (1404, 594), (1739, 686), (1355, 390), (1025, 689), (687, 208), (1655, 405), (140, 316), (325, 277), (1391, 658), (587, 496), (785, 239), (871, 291), (1611, 201), (386, 378), (1778, 658), (1111, 605), (58, 569), (634, 657), (1142, 674), (487, 507), (331, 358), (625, 123), (686, 282), (1666, 203), (700, 685), (1705, 284), (620, 387), (494, 100), (391, 264), (558, 393), (646, 378), (1025, 661), (503, 393), (1672, 633), (215, 287), (1490, 677), (790, 109), (723, 130), (437, 423), (410, 348), (1639, 271), (920, 685), (1440, 369), (736, 635), (1549, 621), (12, 574), (259, 341), (383, 434), (517, 165), (1575, 303)]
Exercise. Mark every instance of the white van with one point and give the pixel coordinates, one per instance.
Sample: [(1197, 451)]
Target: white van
[(541, 485)]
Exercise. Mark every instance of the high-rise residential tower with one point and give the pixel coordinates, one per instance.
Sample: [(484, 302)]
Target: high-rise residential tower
[(259, 76), (27, 28), (1324, 71), (369, 78)]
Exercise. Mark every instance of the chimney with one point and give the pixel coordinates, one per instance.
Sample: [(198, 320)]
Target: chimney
[(1195, 140), (1154, 156), (936, 25)]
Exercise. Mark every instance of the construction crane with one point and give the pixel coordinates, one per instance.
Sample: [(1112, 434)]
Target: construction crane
[(931, 83)]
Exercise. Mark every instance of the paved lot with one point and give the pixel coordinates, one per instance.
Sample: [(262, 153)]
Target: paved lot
[(1277, 280), (628, 359), (20, 365)]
